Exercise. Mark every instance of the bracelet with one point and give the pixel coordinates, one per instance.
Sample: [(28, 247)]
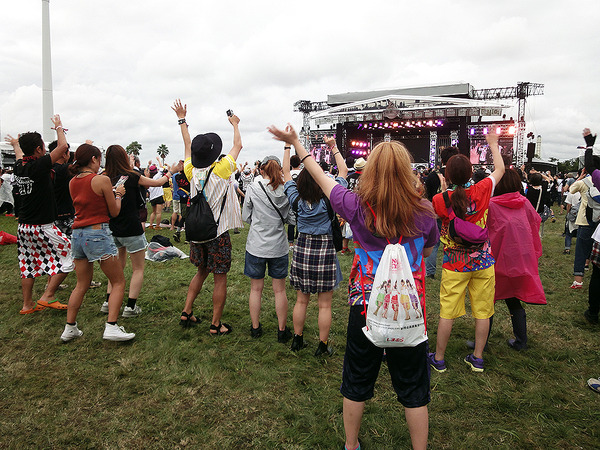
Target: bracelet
[(287, 148), (302, 160), (181, 121), (118, 196), (336, 153)]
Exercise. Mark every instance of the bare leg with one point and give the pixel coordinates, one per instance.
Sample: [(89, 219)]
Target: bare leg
[(482, 328), (299, 315), (114, 272), (324, 300), (353, 412), (123, 261), (84, 271), (159, 209), (27, 288), (194, 290), (138, 262), (443, 335), (219, 297), (281, 302), (256, 288), (54, 281), (417, 420), (152, 216)]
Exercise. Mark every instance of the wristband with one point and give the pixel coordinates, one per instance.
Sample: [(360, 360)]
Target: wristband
[(181, 121), (302, 160), (336, 153), (287, 148)]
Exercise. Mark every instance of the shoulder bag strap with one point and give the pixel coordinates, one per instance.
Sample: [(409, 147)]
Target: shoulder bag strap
[(271, 201), (538, 202)]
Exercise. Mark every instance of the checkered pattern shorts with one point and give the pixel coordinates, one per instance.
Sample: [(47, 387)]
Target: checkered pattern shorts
[(313, 264), (43, 250)]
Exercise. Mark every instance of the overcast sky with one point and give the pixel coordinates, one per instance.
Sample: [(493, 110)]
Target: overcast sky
[(118, 65)]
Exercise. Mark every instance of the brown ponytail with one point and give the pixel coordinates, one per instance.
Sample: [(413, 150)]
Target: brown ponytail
[(458, 172)]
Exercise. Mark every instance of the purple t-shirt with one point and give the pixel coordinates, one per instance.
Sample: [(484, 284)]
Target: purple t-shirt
[(370, 247), (347, 204)]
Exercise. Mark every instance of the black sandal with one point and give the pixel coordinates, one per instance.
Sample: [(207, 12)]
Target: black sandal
[(218, 329), (188, 322)]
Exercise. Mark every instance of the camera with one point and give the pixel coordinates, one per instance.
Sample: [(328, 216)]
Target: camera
[(229, 112)]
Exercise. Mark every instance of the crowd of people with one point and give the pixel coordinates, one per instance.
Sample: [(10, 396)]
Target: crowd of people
[(72, 213)]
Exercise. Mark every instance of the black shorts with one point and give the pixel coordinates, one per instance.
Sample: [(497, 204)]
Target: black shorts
[(408, 367), (157, 201)]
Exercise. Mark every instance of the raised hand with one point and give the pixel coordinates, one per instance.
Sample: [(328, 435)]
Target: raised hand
[(491, 137), (56, 121), (11, 140), (234, 120), (288, 135), (330, 141), (180, 110)]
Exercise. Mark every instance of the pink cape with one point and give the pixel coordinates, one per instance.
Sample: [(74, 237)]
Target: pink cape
[(513, 227)]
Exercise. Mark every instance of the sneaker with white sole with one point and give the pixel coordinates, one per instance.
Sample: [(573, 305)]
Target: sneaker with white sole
[(116, 333), (132, 312), (71, 332), (104, 308)]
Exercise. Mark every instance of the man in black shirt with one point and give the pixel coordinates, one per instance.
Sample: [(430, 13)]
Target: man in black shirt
[(42, 248)]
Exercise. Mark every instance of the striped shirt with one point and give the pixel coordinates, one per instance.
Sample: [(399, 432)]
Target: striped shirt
[(217, 185)]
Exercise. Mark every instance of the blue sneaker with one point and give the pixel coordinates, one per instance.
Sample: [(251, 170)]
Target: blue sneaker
[(475, 363), (439, 366), (594, 384)]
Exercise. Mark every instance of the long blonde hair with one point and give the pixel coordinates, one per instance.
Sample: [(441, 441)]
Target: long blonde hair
[(388, 185)]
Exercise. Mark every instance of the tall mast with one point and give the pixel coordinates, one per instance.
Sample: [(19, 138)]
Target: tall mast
[(47, 96)]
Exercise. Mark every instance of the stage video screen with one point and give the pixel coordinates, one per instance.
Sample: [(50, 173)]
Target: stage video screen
[(480, 151)]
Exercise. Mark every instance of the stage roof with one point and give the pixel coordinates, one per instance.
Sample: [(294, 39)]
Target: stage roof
[(451, 90)]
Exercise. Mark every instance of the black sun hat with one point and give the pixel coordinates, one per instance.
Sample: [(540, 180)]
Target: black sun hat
[(206, 148)]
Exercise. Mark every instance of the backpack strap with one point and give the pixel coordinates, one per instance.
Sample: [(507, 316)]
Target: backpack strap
[(446, 198), (271, 201), (375, 216)]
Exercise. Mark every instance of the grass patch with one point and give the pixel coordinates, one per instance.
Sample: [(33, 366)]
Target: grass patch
[(175, 388)]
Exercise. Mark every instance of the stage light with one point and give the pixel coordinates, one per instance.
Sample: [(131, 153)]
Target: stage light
[(511, 130), (472, 131), (430, 123), (353, 143), (485, 130), (499, 130)]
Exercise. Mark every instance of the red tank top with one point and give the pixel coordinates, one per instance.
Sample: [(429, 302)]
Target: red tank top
[(90, 208)]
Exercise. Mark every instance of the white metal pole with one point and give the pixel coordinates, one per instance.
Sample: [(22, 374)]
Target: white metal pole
[(47, 97)]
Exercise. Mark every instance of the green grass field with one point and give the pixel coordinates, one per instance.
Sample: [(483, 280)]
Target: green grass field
[(176, 388)]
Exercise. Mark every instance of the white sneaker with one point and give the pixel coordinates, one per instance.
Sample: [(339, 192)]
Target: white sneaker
[(104, 308), (71, 332), (116, 333), (132, 312)]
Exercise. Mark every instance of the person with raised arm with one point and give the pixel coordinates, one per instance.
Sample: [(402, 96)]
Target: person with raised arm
[(385, 208), (42, 248), (127, 230), (95, 203), (466, 266), (315, 267), (201, 167)]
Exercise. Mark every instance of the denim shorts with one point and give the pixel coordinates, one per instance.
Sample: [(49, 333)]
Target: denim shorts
[(133, 244), (93, 245), (255, 267)]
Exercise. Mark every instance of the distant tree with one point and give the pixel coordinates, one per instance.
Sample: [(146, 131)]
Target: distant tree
[(569, 165), (134, 148), (162, 151)]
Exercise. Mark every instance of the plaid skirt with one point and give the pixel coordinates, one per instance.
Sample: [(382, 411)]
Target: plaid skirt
[(595, 255), (314, 264)]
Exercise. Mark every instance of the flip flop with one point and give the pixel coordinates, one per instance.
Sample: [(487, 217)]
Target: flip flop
[(53, 305), (32, 310)]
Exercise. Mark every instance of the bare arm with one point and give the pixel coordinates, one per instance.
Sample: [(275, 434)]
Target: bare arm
[(113, 201), (237, 138), (15, 145), (181, 111), (62, 147), (492, 140), (287, 174), (290, 136), (339, 159)]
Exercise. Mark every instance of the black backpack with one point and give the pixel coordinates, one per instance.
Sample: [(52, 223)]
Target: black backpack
[(200, 224)]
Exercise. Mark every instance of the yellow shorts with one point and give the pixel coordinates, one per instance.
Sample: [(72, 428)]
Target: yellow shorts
[(481, 285), (168, 194)]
